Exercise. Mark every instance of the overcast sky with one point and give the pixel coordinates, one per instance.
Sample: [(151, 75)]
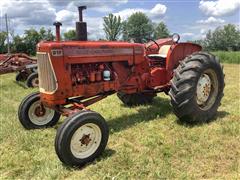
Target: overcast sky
[(190, 18)]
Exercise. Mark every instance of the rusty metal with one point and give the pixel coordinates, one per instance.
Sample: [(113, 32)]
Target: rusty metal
[(57, 25), (16, 62), (40, 111), (85, 140), (76, 105), (80, 10)]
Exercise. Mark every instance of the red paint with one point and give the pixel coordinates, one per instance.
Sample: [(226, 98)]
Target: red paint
[(79, 67)]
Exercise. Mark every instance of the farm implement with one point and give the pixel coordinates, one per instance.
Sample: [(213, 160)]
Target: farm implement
[(76, 74), (25, 66)]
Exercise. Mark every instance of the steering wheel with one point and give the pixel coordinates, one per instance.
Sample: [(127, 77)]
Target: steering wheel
[(153, 44)]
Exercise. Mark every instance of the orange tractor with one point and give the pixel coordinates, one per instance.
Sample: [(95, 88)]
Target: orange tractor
[(76, 74)]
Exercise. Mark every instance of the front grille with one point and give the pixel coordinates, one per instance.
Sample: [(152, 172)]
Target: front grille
[(47, 80)]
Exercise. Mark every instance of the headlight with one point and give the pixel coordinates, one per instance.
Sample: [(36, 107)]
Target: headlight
[(175, 37)]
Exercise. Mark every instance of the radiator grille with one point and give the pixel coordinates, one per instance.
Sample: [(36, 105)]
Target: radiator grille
[(47, 80)]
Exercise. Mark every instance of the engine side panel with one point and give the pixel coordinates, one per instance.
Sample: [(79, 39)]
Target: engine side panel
[(79, 68)]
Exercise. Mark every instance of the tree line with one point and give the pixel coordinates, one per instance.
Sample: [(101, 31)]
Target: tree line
[(138, 28), (26, 43), (226, 38)]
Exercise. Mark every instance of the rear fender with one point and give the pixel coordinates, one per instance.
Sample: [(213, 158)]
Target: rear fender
[(178, 52)]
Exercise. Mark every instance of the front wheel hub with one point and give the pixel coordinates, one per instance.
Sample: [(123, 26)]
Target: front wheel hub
[(40, 111), (85, 140), (40, 115)]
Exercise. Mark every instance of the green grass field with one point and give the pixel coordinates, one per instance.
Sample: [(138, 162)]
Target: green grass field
[(146, 142), (232, 57)]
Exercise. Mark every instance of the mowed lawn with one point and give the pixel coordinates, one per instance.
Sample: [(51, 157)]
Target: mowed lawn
[(146, 142)]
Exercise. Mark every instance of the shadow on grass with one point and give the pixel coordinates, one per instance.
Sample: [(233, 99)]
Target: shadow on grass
[(158, 109), (21, 84), (218, 116), (106, 153)]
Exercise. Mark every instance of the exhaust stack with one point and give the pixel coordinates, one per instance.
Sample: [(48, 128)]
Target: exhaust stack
[(57, 25), (81, 27)]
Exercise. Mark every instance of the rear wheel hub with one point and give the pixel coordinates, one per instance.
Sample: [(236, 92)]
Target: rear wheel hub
[(203, 89), (207, 89)]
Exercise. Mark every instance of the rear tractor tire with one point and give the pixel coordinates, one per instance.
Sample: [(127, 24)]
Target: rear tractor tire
[(32, 80), (197, 88), (136, 98), (81, 138), (33, 115)]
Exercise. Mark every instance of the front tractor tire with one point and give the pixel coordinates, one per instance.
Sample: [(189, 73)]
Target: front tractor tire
[(136, 98), (81, 138), (197, 88), (33, 115)]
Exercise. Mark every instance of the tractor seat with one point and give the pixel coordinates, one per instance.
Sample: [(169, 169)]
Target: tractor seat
[(162, 53)]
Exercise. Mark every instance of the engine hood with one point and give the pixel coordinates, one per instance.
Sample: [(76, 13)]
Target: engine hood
[(43, 46)]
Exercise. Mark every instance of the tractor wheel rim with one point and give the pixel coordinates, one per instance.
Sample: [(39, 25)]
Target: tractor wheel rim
[(203, 89), (35, 82), (85, 140), (207, 89), (40, 115)]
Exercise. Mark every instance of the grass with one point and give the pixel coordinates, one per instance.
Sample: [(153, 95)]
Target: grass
[(146, 142), (232, 57)]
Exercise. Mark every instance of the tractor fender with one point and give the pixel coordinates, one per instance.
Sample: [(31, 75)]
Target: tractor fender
[(178, 52)]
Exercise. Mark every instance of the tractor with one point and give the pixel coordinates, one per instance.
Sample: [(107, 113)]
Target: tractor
[(76, 74)]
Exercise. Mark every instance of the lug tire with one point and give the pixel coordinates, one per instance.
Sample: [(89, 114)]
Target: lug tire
[(21, 76), (27, 121), (66, 133), (183, 92), (136, 98), (32, 80)]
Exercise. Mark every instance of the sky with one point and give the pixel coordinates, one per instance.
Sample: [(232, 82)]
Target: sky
[(189, 18)]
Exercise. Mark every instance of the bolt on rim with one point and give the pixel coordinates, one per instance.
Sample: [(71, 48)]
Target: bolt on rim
[(40, 115), (85, 140)]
